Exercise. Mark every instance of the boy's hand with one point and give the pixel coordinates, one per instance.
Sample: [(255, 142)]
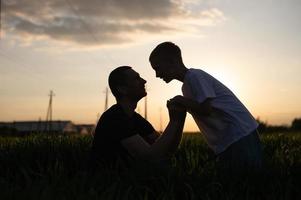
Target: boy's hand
[(176, 110), (193, 106), (179, 100)]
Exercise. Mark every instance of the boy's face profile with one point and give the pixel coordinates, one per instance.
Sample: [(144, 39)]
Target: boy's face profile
[(163, 69)]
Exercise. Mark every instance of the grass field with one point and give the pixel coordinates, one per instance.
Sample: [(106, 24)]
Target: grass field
[(44, 167)]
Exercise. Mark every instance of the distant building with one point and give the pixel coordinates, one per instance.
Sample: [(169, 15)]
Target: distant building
[(26, 127), (85, 129)]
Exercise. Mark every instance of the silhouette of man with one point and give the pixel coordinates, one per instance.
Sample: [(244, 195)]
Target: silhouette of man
[(124, 135), (228, 127)]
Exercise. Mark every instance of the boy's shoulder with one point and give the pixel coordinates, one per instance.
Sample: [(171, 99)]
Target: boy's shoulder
[(193, 73)]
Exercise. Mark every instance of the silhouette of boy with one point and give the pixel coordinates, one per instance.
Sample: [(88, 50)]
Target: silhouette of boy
[(228, 127)]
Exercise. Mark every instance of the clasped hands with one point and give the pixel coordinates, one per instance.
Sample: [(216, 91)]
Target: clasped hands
[(176, 109)]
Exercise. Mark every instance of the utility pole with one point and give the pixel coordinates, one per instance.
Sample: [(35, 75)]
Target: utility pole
[(39, 125), (107, 99), (94, 127), (49, 113), (1, 11), (161, 120), (98, 114), (0, 18), (145, 105), (138, 110)]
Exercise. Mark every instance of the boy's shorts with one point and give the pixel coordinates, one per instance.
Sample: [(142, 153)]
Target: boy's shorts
[(243, 155)]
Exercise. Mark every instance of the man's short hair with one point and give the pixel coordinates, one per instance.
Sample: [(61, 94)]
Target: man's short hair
[(165, 50), (117, 78)]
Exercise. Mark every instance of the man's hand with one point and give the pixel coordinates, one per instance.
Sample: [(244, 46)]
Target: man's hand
[(176, 110)]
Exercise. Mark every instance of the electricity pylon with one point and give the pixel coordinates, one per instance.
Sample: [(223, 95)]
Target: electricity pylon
[(145, 105), (92, 133), (49, 113), (161, 120), (107, 98)]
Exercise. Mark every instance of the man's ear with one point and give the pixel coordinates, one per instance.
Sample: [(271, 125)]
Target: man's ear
[(122, 90)]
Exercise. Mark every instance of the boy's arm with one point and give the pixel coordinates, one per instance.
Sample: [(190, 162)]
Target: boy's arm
[(194, 106)]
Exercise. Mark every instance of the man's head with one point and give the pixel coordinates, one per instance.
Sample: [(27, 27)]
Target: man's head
[(166, 59), (124, 82)]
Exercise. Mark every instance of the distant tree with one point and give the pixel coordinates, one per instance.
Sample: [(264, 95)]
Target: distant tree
[(8, 131), (262, 126), (277, 129), (296, 124)]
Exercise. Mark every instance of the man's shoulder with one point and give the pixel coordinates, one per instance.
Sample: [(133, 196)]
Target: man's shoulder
[(112, 115), (113, 111), (137, 116), (112, 120)]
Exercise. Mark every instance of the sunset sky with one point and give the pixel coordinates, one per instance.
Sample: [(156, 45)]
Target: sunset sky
[(70, 47)]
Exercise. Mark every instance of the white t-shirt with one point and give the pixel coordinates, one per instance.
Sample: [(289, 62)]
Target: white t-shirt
[(230, 119)]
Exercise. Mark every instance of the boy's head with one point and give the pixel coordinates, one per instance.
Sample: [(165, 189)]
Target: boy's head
[(125, 82), (165, 59)]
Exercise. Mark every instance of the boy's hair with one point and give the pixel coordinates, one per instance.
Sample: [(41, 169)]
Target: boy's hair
[(165, 50), (117, 78)]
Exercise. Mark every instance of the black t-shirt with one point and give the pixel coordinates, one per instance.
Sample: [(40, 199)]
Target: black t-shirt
[(113, 127)]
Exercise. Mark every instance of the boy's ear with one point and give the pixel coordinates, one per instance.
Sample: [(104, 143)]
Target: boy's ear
[(122, 90), (174, 61)]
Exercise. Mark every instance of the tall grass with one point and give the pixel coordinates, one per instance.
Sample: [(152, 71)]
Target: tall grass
[(45, 167)]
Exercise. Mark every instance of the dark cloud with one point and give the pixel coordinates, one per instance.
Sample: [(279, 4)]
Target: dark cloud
[(98, 22)]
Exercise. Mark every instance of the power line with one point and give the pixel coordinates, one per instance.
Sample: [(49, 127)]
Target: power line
[(94, 37), (52, 12), (87, 28), (18, 62)]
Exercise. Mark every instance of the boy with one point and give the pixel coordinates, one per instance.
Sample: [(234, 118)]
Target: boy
[(228, 127)]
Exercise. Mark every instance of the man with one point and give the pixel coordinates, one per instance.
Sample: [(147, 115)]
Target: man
[(228, 127), (122, 134)]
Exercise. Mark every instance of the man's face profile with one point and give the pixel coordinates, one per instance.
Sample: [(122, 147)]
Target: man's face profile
[(134, 85)]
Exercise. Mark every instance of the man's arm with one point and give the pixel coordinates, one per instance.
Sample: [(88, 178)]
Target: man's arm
[(166, 144), (194, 106), (151, 138)]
